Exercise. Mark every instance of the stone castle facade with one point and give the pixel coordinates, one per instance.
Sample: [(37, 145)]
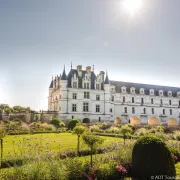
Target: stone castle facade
[(84, 94)]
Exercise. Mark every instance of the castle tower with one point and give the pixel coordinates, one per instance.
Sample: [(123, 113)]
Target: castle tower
[(50, 95)]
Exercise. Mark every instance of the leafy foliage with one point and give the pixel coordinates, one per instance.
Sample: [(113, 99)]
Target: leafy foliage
[(72, 123)]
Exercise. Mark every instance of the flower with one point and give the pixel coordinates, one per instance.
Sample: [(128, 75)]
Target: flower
[(122, 170)]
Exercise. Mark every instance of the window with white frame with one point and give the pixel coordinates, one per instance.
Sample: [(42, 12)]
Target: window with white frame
[(169, 102), (123, 89), (125, 110), (133, 110), (141, 91), (132, 99), (74, 107), (97, 97), (132, 90), (86, 95), (161, 92), (169, 93), (152, 101), (97, 108), (74, 95), (178, 94), (85, 107), (151, 91), (170, 111), (112, 98), (74, 84), (152, 110), (87, 85), (97, 86)]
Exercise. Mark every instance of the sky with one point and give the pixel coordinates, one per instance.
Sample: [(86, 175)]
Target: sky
[(37, 37)]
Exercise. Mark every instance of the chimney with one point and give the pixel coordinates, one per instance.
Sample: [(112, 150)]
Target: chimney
[(79, 67), (88, 68)]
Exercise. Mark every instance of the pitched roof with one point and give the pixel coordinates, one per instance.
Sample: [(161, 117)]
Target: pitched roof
[(106, 80), (147, 87), (64, 77)]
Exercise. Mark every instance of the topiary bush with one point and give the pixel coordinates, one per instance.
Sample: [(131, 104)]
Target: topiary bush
[(151, 157), (56, 122), (72, 123)]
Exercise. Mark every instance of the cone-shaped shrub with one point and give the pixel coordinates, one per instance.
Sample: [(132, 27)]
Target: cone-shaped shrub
[(150, 158)]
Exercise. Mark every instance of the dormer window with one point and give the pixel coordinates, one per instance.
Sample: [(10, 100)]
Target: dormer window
[(169, 93), (123, 89), (178, 94), (142, 91), (133, 90), (86, 85), (160, 92), (151, 91)]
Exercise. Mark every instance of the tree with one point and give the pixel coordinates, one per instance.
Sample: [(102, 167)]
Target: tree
[(56, 122), (126, 131), (2, 135), (72, 123), (92, 141), (79, 130)]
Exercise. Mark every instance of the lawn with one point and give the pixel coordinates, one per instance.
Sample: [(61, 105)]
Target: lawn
[(21, 145)]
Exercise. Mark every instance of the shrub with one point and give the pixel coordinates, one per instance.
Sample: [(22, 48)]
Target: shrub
[(47, 127), (103, 126), (151, 157), (113, 129), (177, 135), (95, 128), (72, 123), (141, 132), (126, 131), (55, 122)]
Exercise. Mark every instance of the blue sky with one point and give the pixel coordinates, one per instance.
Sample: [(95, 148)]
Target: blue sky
[(37, 37)]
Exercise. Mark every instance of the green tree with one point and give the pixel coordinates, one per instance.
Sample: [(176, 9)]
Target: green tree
[(56, 122), (2, 135), (92, 141), (79, 130), (72, 123), (126, 131)]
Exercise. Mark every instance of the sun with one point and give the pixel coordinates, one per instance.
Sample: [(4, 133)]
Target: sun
[(132, 6)]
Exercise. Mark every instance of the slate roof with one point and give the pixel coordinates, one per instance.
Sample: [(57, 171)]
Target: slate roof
[(51, 85), (106, 80), (147, 87), (71, 73), (64, 77)]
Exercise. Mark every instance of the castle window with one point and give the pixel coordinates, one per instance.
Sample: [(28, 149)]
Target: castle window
[(74, 107), (87, 85), (132, 99), (74, 96), (125, 109), (161, 101), (151, 91), (163, 111), (178, 94), (170, 111), (144, 110), (142, 91), (123, 89), (152, 101), (110, 110), (124, 99), (97, 86), (132, 90), (97, 97), (152, 110), (169, 102), (161, 92), (133, 110), (74, 84), (84, 85), (86, 95), (169, 93), (85, 107), (142, 101), (112, 98), (97, 108)]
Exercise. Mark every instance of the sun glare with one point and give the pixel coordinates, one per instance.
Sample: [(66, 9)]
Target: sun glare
[(132, 6)]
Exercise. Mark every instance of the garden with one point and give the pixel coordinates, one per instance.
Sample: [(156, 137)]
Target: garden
[(79, 151)]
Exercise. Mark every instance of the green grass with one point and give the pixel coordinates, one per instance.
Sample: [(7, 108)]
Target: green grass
[(20, 145)]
